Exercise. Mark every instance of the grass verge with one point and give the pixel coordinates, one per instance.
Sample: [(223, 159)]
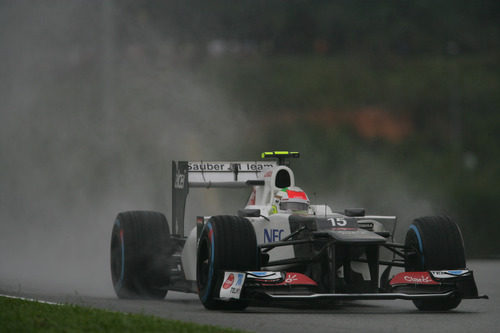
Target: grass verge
[(27, 316)]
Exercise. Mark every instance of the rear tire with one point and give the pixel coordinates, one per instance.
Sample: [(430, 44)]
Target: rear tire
[(226, 243), (439, 246), (139, 253)]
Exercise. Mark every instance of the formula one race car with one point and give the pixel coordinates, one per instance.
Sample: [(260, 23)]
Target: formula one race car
[(281, 248)]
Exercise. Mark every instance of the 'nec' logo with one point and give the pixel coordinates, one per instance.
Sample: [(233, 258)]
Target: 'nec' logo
[(272, 235)]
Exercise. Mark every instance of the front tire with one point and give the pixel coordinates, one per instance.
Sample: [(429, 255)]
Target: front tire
[(438, 243), (226, 243), (139, 253)]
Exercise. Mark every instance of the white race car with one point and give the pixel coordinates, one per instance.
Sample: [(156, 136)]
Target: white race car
[(281, 248)]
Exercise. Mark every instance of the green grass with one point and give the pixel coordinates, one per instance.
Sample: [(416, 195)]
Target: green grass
[(27, 316)]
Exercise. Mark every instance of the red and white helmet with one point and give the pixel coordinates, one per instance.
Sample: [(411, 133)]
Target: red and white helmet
[(291, 199)]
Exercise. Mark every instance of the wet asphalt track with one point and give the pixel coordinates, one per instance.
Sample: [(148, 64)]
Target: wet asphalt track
[(359, 316)]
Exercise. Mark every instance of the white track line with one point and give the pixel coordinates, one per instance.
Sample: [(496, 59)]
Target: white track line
[(30, 299)]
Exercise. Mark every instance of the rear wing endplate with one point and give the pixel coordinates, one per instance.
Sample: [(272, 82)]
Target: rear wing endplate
[(186, 174)]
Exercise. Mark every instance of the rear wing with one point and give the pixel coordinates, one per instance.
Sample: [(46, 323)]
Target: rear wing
[(186, 174)]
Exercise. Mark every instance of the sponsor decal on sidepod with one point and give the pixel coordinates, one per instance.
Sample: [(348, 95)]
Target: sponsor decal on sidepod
[(273, 235)]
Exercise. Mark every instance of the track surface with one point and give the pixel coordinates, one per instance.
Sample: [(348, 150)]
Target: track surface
[(362, 316)]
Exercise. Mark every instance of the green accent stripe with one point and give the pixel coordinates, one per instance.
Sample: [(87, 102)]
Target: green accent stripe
[(279, 153)]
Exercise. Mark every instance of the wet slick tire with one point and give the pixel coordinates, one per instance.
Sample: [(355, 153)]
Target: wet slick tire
[(226, 243), (139, 253), (439, 246)]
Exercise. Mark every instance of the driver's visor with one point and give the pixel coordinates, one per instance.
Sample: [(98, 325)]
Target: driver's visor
[(293, 206)]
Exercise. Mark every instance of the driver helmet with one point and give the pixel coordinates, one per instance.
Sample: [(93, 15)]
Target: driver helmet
[(291, 200)]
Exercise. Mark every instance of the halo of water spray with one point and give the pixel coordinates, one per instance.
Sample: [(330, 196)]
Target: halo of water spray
[(89, 124)]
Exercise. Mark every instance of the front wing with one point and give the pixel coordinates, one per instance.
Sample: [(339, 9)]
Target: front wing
[(269, 287)]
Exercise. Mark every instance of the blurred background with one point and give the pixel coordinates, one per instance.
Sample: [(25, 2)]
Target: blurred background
[(394, 106)]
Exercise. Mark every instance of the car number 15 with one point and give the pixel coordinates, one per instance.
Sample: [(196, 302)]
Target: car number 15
[(337, 222)]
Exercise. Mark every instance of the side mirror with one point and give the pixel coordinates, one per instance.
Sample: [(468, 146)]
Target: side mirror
[(249, 212), (354, 212)]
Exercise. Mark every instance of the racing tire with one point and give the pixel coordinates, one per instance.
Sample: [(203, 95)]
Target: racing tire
[(139, 253), (439, 246), (226, 243)]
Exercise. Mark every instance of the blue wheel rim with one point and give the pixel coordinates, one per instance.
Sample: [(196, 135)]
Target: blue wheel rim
[(420, 245)]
